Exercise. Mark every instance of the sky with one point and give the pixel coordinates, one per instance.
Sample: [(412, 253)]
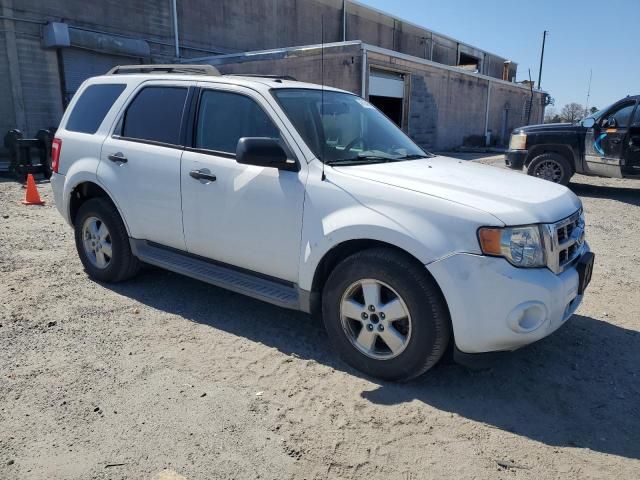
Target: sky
[(601, 35)]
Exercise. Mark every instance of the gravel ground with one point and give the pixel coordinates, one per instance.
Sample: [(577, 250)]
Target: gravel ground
[(164, 377)]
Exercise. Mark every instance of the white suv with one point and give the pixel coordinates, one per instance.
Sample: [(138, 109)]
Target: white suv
[(311, 199)]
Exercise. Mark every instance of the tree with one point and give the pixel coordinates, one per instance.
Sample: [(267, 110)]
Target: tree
[(572, 112), (593, 110), (551, 115)]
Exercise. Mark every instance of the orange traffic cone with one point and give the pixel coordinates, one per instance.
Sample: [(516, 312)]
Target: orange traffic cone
[(32, 197)]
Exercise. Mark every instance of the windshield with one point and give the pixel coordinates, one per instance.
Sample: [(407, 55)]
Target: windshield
[(344, 129)]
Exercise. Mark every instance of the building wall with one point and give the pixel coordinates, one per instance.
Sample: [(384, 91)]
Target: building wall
[(245, 25), (342, 66), (32, 97), (447, 107)]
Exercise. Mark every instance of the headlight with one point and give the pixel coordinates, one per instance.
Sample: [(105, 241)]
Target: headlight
[(521, 246), (518, 141)]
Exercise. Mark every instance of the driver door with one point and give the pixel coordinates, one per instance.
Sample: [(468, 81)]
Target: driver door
[(241, 215), (604, 142)]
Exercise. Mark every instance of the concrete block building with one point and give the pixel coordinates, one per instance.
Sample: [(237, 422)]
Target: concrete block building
[(441, 91)]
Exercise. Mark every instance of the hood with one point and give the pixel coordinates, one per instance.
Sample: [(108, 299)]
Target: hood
[(551, 127), (511, 197)]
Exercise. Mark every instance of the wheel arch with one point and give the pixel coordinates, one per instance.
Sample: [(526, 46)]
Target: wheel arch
[(341, 251), (84, 191), (564, 150)]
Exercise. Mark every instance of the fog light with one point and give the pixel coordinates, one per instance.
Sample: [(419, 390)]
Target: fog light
[(527, 317)]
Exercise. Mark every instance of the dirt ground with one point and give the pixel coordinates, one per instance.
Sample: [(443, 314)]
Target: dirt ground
[(164, 377)]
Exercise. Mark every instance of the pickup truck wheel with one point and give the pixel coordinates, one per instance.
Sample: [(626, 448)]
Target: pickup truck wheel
[(102, 242), (385, 315), (551, 166)]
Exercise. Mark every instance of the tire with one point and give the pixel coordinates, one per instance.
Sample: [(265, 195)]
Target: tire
[(552, 167), (95, 215), (425, 330)]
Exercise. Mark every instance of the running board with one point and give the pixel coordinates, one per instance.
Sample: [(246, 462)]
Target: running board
[(241, 282)]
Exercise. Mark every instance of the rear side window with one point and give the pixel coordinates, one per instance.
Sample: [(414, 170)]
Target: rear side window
[(225, 117), (92, 106), (156, 115)]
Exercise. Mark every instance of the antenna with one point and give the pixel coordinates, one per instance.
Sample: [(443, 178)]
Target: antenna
[(586, 106), (324, 141)]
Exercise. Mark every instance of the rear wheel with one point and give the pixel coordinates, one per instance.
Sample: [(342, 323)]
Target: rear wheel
[(102, 242), (552, 167), (385, 316)]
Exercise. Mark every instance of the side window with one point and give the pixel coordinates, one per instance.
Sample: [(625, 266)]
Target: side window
[(636, 118), (156, 115), (92, 106), (622, 116), (224, 118)]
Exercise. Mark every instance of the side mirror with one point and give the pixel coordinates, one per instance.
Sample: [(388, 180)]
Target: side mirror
[(263, 152), (588, 122)]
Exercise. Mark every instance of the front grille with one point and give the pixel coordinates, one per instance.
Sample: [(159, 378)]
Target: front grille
[(564, 242)]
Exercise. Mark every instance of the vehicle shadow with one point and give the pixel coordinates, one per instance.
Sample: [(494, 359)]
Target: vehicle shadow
[(576, 388), (621, 194)]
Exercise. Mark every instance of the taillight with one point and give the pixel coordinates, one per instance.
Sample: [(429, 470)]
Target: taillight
[(56, 146)]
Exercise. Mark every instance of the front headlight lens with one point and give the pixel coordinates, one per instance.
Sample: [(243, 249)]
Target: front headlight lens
[(518, 141), (521, 246)]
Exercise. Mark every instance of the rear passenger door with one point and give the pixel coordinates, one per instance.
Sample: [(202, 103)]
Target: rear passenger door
[(632, 147), (140, 161)]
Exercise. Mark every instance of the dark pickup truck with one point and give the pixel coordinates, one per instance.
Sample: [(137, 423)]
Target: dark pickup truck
[(605, 144)]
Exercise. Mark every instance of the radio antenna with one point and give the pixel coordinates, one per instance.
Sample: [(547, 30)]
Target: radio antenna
[(586, 106), (323, 139)]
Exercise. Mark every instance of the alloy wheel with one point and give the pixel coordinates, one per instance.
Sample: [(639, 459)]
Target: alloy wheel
[(549, 170), (375, 319), (96, 241)]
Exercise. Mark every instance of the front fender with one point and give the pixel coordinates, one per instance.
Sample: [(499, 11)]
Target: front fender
[(347, 208), (336, 231)]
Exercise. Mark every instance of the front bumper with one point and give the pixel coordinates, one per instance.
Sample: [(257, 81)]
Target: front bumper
[(515, 158), (495, 306)]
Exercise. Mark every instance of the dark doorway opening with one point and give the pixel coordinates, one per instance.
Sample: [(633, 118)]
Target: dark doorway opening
[(390, 106), (468, 62)]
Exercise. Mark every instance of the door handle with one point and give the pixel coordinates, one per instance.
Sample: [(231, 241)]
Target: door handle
[(615, 141), (118, 157), (200, 175)]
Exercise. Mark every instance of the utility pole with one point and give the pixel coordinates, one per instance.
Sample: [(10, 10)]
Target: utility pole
[(544, 39), (344, 20)]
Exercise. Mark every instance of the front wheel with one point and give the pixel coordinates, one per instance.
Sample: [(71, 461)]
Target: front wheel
[(385, 315), (552, 167)]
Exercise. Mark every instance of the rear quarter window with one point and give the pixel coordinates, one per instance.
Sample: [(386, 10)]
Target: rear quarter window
[(92, 106)]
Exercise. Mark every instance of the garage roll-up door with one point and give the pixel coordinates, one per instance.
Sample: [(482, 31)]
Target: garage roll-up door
[(386, 84), (79, 64)]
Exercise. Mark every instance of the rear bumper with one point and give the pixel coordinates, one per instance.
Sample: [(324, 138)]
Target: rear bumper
[(515, 158), (496, 307), (57, 185)]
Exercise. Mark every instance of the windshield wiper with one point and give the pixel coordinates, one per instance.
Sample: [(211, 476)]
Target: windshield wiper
[(360, 159), (415, 156)]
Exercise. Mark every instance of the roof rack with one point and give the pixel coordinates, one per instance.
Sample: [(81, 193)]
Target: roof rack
[(257, 75), (169, 68)]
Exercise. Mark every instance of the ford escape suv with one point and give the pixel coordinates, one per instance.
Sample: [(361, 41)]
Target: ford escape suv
[(311, 199)]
